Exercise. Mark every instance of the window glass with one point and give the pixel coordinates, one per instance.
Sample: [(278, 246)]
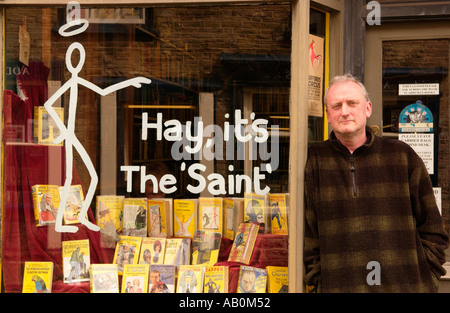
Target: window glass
[(152, 102)]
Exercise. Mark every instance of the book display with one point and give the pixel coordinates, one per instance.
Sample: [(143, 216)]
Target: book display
[(206, 262)]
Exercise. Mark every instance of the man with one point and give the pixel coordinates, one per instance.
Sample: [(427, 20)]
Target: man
[(369, 200)]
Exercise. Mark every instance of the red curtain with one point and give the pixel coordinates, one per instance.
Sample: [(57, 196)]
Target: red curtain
[(27, 164)]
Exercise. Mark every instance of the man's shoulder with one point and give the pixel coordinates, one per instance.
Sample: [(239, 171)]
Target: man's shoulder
[(393, 144)]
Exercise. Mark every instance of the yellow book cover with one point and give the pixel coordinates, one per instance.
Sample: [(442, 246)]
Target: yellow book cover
[(256, 210), (104, 278), (37, 277), (135, 278), (216, 279), (252, 280), (46, 203), (156, 211), (73, 204), (135, 217), (166, 215), (152, 250), (185, 218), (177, 251), (76, 260), (127, 251), (278, 204), (205, 247), (277, 279), (44, 127), (243, 244), (110, 211), (190, 279), (233, 216), (210, 212)]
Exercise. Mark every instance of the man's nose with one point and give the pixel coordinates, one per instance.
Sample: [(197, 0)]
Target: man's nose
[(345, 110)]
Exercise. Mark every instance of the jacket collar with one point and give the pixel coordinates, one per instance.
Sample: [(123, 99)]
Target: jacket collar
[(336, 144)]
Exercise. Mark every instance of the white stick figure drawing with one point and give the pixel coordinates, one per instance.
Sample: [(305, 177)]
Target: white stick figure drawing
[(68, 133)]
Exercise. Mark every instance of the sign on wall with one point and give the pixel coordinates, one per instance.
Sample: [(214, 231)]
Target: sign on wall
[(418, 89)]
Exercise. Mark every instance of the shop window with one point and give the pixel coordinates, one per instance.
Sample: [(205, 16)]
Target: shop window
[(215, 72)]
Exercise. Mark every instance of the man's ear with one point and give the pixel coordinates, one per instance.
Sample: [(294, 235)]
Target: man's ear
[(369, 109)]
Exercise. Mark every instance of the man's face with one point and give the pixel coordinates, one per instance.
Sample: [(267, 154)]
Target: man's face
[(347, 109)]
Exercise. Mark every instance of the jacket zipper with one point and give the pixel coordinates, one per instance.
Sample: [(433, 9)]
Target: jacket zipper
[(352, 171)]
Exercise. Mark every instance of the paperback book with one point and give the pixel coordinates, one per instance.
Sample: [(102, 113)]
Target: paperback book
[(104, 278), (44, 127), (76, 260), (185, 217), (244, 242), (127, 251), (162, 278), (152, 250), (277, 279), (252, 280), (73, 205), (45, 203), (135, 278), (256, 210), (233, 216), (135, 217), (166, 215), (37, 277), (216, 279), (190, 279), (110, 212), (177, 251), (278, 204), (205, 247), (210, 212)]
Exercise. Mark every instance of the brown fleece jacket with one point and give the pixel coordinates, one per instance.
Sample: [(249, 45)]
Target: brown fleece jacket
[(376, 204)]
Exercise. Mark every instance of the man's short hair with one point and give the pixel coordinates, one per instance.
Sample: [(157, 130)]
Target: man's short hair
[(343, 79)]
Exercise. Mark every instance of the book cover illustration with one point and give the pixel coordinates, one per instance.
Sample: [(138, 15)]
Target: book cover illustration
[(216, 279), (185, 218), (152, 250), (210, 214), (44, 128), (162, 278), (278, 204), (252, 280), (205, 247), (37, 277), (46, 203), (135, 217), (177, 251), (244, 242), (104, 278), (76, 260), (74, 202), (135, 278), (154, 219), (277, 279), (127, 251), (110, 212), (190, 279), (256, 210), (166, 215), (233, 216)]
